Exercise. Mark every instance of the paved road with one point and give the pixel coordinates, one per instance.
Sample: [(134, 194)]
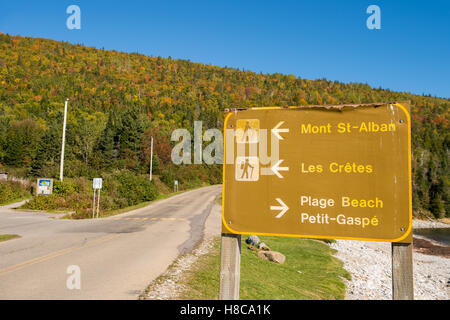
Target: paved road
[(117, 256)]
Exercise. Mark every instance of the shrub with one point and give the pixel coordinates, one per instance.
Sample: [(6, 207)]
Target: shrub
[(77, 168), (134, 188), (12, 190), (41, 203), (167, 177), (83, 185), (121, 188), (62, 188), (70, 202)]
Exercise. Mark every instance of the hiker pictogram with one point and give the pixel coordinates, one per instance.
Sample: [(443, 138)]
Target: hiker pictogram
[(247, 169)]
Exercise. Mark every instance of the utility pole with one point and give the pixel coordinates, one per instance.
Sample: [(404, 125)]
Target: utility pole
[(61, 168), (151, 159)]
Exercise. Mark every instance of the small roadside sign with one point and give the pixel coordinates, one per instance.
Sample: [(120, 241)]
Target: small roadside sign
[(44, 186), (97, 184)]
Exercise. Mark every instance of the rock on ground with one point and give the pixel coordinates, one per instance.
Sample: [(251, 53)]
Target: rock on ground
[(273, 256), (252, 240)]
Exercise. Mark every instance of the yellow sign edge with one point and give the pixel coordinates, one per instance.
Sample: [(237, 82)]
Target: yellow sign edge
[(408, 231)]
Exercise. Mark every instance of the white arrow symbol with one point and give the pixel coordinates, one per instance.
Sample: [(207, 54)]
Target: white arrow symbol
[(283, 208), (277, 168), (276, 131)]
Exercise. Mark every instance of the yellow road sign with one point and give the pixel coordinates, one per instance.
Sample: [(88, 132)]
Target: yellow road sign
[(340, 172)]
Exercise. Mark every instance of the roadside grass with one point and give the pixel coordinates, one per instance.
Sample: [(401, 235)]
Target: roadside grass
[(309, 273), (67, 214), (6, 237), (161, 196), (12, 192), (16, 200), (218, 199), (107, 213)]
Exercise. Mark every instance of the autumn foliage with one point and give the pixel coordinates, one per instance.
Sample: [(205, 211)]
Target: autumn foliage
[(119, 100)]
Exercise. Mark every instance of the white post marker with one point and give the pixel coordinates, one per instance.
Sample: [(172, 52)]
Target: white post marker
[(175, 186), (151, 159), (61, 167), (96, 185), (93, 207), (98, 201)]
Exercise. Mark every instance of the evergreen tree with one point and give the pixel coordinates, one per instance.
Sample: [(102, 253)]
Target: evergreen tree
[(106, 143), (48, 151)]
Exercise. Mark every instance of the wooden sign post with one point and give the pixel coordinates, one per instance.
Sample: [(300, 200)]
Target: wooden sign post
[(230, 266), (327, 172), (402, 270)]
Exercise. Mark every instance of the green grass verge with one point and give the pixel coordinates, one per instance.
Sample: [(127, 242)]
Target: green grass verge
[(6, 237), (17, 200), (13, 191), (309, 273), (68, 214), (161, 196), (218, 199), (107, 213)]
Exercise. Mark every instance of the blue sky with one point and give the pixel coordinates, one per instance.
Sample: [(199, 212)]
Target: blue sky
[(311, 39)]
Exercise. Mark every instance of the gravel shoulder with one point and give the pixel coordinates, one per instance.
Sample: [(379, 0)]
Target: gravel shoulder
[(370, 266), (168, 286)]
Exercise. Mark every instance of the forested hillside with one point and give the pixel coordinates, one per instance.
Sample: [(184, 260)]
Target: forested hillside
[(119, 100)]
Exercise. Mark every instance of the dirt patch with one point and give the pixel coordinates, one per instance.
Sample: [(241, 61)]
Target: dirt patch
[(427, 247)]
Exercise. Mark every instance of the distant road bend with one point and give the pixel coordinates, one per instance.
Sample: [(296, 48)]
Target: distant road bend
[(118, 256)]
